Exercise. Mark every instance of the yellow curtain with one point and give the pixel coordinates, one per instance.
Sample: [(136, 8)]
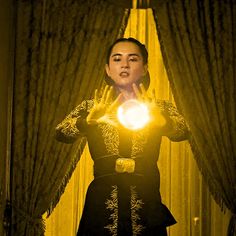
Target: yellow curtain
[(65, 218), (182, 188)]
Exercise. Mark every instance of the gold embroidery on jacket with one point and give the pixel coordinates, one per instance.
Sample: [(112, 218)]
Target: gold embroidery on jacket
[(179, 126), (136, 205), (139, 140), (111, 138), (112, 205), (68, 125)]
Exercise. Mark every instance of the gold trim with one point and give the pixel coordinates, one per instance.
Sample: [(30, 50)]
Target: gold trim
[(136, 205), (112, 205), (111, 138)]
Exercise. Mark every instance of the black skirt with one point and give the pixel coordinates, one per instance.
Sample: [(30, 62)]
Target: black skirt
[(124, 204)]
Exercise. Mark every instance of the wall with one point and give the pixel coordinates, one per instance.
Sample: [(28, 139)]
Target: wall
[(6, 75)]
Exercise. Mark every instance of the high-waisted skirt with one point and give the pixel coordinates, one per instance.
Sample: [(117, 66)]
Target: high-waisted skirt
[(124, 205)]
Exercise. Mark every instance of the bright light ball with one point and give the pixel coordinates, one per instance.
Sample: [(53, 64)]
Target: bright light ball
[(133, 114)]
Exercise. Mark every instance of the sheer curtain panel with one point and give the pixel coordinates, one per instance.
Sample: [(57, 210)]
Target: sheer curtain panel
[(60, 54), (198, 45)]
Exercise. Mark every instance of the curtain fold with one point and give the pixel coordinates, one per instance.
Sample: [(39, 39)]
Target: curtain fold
[(198, 46), (60, 56)]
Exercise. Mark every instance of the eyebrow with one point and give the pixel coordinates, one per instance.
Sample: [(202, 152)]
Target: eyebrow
[(131, 54)]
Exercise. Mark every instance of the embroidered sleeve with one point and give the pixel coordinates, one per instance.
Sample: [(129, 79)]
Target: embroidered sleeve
[(74, 125), (176, 128)]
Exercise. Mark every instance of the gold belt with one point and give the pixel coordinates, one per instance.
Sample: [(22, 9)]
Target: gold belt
[(125, 165)]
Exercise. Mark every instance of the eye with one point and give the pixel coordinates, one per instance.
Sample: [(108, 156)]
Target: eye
[(133, 59), (116, 59)]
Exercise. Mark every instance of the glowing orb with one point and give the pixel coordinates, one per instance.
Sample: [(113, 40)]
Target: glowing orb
[(133, 115)]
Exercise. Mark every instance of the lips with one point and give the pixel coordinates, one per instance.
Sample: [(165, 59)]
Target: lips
[(124, 74)]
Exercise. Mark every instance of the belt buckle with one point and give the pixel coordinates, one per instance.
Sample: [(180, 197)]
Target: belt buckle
[(125, 165)]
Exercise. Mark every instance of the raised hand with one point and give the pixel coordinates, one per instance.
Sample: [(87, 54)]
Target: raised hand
[(103, 108), (157, 118)]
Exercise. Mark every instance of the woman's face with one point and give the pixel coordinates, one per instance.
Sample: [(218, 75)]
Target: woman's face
[(125, 65)]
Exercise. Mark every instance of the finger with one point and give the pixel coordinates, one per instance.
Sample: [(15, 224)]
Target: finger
[(154, 95), (104, 94), (96, 96), (154, 99), (136, 91), (108, 96), (143, 92), (116, 102)]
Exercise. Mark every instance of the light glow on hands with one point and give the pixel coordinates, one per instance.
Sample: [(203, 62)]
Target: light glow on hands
[(133, 114)]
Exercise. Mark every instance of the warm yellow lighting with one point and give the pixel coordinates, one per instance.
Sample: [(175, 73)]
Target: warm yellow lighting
[(134, 4), (133, 115)]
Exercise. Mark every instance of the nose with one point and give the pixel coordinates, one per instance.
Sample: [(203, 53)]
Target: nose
[(125, 63)]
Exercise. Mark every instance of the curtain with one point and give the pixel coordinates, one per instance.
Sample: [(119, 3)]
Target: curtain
[(65, 218), (182, 187), (59, 59), (198, 46), (175, 158)]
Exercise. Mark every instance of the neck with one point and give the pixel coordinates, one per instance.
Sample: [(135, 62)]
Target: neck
[(127, 93)]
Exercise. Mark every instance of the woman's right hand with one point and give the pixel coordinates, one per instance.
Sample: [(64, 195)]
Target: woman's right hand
[(104, 107), (157, 118)]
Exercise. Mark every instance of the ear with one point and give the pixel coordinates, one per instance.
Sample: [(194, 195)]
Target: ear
[(107, 69)]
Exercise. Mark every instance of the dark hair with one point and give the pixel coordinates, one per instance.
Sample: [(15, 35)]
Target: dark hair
[(146, 79)]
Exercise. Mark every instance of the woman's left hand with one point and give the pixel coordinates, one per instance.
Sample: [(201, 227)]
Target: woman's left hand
[(157, 118)]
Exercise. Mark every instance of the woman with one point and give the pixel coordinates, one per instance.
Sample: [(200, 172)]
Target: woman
[(124, 197)]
